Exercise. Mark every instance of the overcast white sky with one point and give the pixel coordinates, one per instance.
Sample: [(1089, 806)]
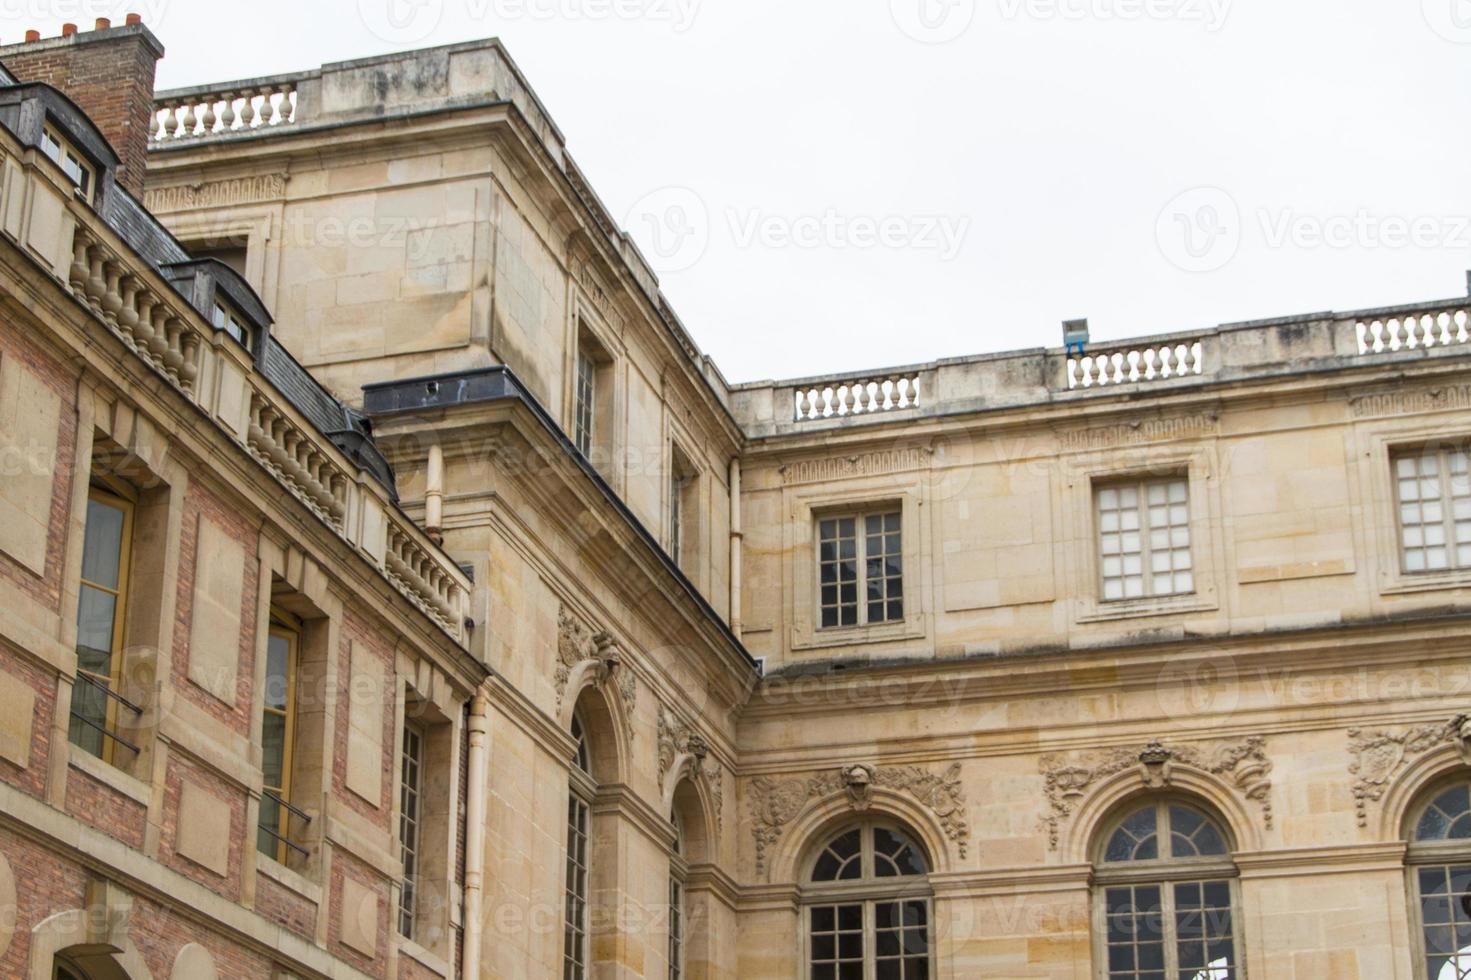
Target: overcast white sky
[(831, 185)]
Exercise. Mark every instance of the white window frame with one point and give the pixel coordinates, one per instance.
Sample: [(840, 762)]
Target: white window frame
[(1447, 499), (860, 519), (1164, 872), (1145, 507), (60, 151), (870, 891)]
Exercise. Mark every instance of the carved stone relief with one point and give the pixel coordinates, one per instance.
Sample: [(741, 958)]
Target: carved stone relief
[(578, 644), (677, 737), (776, 802), (1381, 753), (1068, 781)]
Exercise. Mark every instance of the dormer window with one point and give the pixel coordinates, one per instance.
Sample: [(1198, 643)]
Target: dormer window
[(225, 319), (55, 146)]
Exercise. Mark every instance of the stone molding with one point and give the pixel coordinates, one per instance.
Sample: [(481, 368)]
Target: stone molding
[(863, 464), (1379, 754), (777, 802), (1069, 781)]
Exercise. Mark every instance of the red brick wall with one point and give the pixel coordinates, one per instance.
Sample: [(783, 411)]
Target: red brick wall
[(46, 591), (344, 865), (44, 885), (285, 907), (32, 779), (99, 805), (159, 933), (180, 767), (229, 519), (109, 75)]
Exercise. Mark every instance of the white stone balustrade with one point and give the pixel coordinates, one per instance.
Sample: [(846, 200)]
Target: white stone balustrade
[(1135, 364), (291, 453), (422, 576), (147, 321), (226, 110), (858, 396), (1446, 327)]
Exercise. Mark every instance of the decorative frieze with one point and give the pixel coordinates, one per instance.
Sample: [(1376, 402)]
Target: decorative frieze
[(1381, 753), (844, 467), (1068, 782), (216, 193), (1140, 431), (1411, 401), (777, 802)]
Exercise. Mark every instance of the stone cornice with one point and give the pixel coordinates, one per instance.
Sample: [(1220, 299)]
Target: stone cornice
[(1296, 862), (931, 681)]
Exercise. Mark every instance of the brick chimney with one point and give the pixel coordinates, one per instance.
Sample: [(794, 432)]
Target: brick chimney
[(108, 72)]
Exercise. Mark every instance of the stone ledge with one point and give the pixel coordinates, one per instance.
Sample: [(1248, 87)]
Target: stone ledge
[(109, 775)]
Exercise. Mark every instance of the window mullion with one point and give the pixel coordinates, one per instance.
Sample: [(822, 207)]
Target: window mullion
[(860, 550)]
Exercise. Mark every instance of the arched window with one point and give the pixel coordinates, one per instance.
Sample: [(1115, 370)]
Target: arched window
[(1166, 896), (867, 901), (678, 871), (1440, 871), (579, 804)]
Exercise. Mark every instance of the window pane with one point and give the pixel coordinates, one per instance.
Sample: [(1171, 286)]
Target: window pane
[(102, 544), (96, 611), (1135, 838), (278, 659)]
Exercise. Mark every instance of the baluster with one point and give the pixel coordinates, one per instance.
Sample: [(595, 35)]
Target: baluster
[(247, 108), (97, 280), (80, 269), (914, 387), (288, 104), (189, 369), (190, 119), (1462, 332), (173, 355), (143, 329), (112, 300), (208, 118), (1148, 361), (1401, 334), (158, 341), (901, 393), (128, 316)]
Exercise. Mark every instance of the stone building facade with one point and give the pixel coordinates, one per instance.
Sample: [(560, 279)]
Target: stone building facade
[(395, 590)]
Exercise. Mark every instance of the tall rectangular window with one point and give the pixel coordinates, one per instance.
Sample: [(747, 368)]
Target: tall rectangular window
[(1434, 491), (410, 816), (102, 598), (1144, 538), (860, 570), (278, 719), (585, 402), (574, 953)]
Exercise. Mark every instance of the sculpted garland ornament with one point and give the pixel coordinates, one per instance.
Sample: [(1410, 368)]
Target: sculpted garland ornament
[(777, 802), (1379, 754), (1068, 782)]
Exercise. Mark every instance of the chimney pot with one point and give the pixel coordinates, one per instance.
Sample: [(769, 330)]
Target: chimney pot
[(134, 19), (33, 36), (67, 30), (103, 23)]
